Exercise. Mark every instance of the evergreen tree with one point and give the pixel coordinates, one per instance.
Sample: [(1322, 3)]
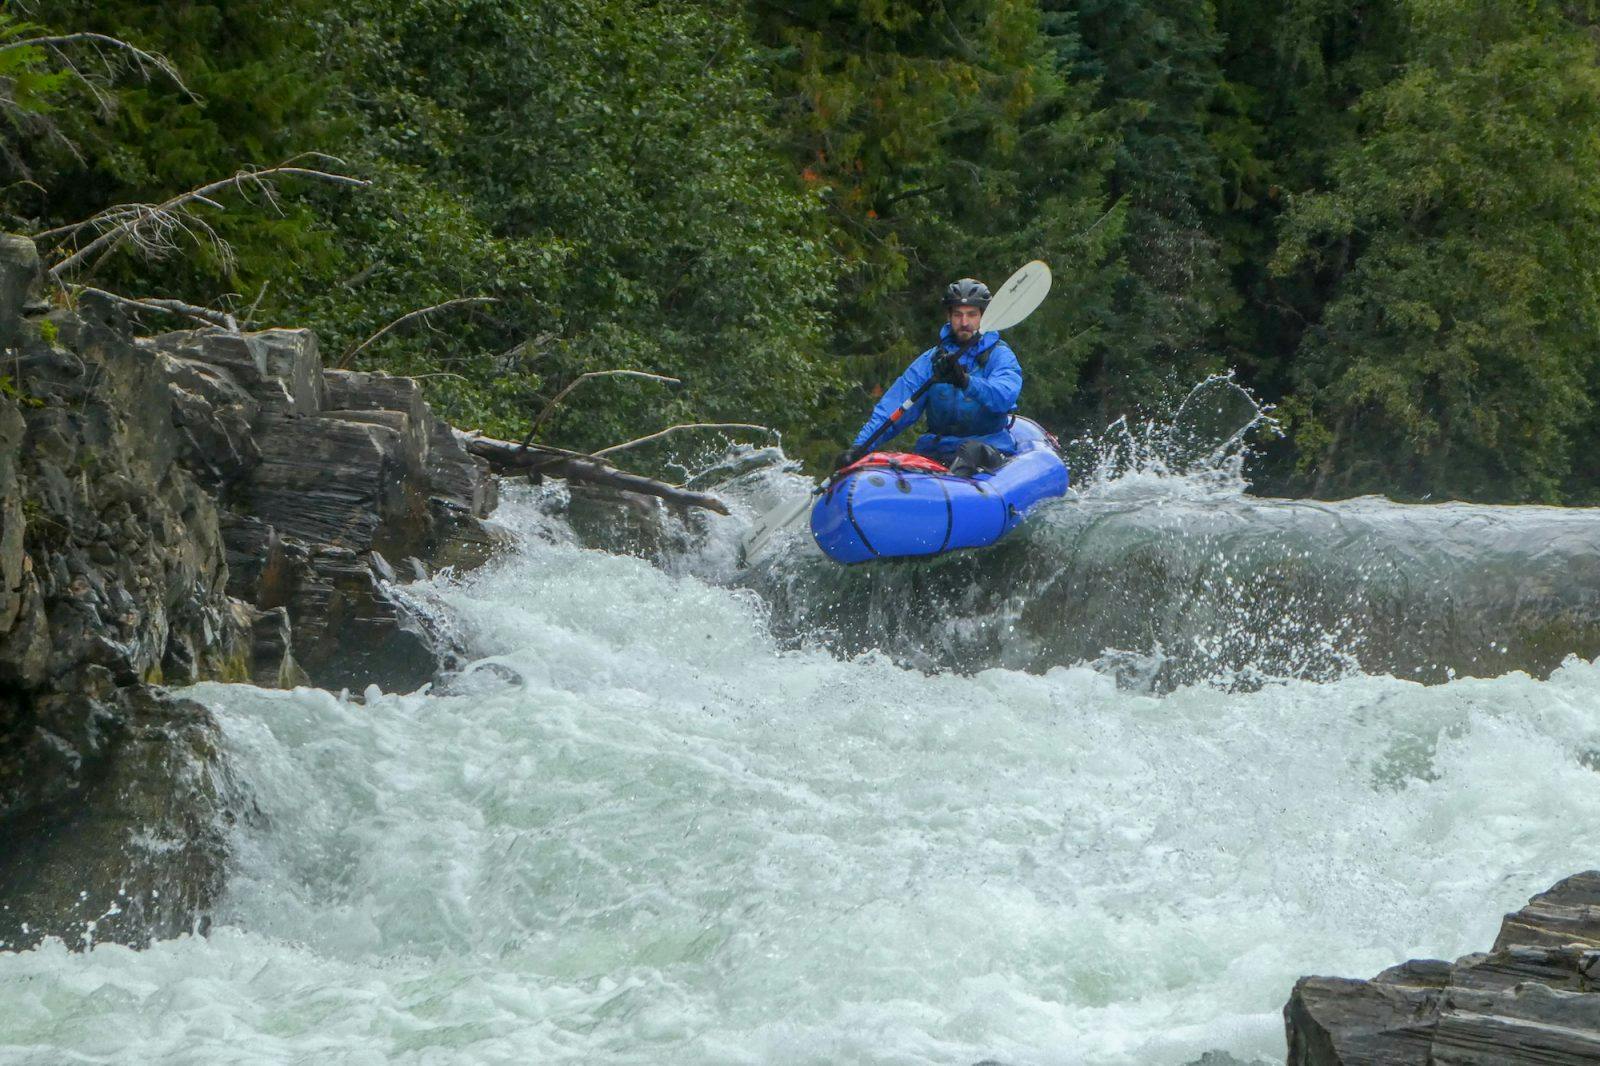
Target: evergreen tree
[(1454, 353), (253, 92), (946, 141), (1155, 66)]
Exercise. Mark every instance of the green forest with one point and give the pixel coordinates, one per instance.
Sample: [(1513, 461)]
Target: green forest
[(1382, 214)]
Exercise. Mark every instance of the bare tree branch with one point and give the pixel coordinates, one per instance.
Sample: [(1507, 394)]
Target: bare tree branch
[(249, 316), (614, 448), (171, 307), (579, 380), (503, 455), (142, 60), (409, 316), (152, 226), (440, 374)]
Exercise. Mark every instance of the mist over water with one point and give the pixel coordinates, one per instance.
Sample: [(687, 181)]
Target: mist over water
[(1097, 796)]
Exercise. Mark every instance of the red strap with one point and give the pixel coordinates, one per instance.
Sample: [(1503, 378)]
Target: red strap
[(899, 461)]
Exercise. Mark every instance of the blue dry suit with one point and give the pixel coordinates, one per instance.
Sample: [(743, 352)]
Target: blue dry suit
[(981, 411)]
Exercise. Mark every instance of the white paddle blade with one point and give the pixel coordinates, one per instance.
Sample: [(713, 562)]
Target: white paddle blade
[(769, 525), (1017, 298)]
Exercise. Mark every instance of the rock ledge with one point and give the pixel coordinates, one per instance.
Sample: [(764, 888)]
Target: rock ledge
[(1533, 998)]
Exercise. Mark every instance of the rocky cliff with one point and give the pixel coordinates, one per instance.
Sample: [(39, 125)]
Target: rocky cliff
[(193, 505), (1534, 997)]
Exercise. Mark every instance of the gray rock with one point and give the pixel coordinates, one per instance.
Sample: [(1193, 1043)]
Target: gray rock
[(357, 464), (271, 653), (20, 279), (216, 417), (14, 563), (351, 633), (1534, 998), (195, 505), (140, 852), (326, 481), (1567, 914), (281, 368)]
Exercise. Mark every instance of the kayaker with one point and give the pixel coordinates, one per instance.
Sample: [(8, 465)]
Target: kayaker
[(977, 382)]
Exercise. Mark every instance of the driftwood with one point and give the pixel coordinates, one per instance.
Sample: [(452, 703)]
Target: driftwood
[(505, 455)]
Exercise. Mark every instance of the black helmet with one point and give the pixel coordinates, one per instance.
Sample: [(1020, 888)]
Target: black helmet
[(968, 291)]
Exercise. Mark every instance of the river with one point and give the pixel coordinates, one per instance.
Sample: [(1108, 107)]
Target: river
[(1097, 797)]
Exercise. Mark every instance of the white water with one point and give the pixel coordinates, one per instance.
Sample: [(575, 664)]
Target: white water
[(652, 835)]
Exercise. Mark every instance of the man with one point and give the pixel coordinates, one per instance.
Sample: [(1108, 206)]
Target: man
[(976, 384)]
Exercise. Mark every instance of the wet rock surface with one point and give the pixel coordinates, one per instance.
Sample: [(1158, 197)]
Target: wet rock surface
[(328, 475), (191, 506), (1534, 997), (141, 850)]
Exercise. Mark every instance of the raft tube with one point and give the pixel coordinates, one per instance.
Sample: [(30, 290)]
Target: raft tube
[(892, 505)]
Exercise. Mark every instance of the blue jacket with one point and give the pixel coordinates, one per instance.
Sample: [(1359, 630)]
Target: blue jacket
[(980, 411)]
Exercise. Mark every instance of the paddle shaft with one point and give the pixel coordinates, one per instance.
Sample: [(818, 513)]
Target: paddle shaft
[(910, 402), (892, 421)]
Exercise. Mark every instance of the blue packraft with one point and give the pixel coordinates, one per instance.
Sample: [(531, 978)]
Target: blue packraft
[(890, 505)]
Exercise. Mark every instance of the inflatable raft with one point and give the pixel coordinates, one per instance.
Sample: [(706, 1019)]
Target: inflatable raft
[(890, 504)]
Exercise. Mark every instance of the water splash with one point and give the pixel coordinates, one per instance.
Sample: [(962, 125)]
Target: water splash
[(641, 829), (1162, 569), (1199, 449)]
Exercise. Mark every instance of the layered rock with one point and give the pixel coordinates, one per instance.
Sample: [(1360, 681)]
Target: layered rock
[(1533, 998), (115, 578), (329, 476), (198, 505)]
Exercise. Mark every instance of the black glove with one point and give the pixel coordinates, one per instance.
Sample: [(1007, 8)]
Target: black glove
[(947, 369), (844, 459)]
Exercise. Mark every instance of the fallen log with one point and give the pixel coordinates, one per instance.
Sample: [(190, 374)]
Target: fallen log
[(510, 457)]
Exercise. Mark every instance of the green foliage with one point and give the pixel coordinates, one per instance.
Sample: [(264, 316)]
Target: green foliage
[(1155, 63), (9, 389), (608, 172), (1378, 213), (1455, 350), (947, 141), (28, 86)]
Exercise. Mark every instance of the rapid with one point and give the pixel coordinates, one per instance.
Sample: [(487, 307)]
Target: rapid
[(1095, 797)]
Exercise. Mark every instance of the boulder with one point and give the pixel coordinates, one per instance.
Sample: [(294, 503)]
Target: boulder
[(140, 852), (1534, 998), (280, 368), (21, 279), (327, 472)]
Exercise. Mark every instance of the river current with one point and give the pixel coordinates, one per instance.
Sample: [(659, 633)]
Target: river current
[(675, 812)]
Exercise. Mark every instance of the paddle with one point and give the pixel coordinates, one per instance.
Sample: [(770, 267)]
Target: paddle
[(1016, 300)]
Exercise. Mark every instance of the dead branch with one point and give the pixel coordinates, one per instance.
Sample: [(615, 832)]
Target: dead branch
[(535, 345), (505, 455), (410, 316), (579, 380), (152, 226), (363, 274), (172, 307), (142, 60), (440, 374), (250, 315), (614, 448)]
